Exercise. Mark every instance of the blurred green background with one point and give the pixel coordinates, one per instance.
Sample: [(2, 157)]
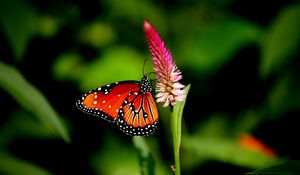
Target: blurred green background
[(240, 57)]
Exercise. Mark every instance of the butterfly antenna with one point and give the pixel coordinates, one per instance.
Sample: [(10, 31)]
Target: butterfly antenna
[(144, 65), (148, 74), (151, 80)]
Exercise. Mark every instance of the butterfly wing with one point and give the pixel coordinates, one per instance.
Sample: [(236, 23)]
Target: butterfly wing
[(106, 101), (138, 115)]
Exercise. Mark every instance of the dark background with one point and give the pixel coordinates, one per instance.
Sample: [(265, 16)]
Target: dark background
[(240, 57)]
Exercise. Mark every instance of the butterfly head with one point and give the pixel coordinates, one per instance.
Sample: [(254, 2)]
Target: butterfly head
[(146, 85)]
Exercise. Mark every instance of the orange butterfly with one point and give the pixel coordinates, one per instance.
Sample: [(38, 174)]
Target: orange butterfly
[(129, 104)]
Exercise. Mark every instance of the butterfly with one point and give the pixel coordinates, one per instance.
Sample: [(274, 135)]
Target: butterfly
[(129, 104)]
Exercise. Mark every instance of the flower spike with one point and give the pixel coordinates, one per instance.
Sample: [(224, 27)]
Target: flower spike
[(168, 88)]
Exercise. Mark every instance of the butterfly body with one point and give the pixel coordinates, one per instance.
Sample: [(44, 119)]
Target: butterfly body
[(129, 104)]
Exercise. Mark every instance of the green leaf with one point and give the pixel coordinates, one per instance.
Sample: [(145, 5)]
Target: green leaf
[(115, 157), (23, 124), (19, 22), (30, 98), (284, 96), (214, 125), (247, 121), (285, 168), (145, 158), (10, 165), (136, 11), (206, 47), (68, 66), (97, 34), (199, 149), (119, 63), (176, 119), (47, 26), (282, 41)]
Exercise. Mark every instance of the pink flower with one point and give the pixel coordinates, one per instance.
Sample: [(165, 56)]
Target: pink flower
[(168, 88)]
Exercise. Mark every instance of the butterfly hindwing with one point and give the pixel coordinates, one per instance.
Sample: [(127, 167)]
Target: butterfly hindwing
[(138, 115)]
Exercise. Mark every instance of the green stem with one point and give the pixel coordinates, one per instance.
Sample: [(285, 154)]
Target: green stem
[(176, 143), (176, 119), (145, 157)]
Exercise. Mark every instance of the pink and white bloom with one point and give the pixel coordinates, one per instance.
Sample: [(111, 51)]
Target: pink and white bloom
[(168, 88)]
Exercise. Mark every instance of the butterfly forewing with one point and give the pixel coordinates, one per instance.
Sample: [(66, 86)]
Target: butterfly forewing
[(105, 101)]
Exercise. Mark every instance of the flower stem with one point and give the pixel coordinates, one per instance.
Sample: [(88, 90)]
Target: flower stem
[(176, 119), (145, 157)]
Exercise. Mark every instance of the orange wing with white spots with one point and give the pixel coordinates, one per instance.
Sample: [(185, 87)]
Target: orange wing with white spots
[(106, 101)]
